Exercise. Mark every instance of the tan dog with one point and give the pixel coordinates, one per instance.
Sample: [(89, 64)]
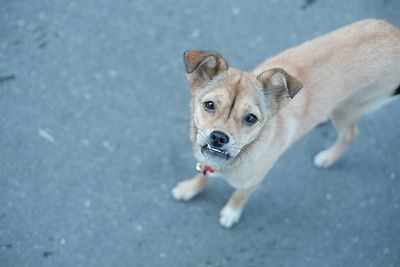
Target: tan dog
[(243, 121)]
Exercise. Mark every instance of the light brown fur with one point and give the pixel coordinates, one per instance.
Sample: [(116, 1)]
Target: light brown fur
[(344, 74)]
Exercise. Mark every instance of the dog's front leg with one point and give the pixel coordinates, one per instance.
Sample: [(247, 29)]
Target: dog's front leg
[(232, 211), (190, 188)]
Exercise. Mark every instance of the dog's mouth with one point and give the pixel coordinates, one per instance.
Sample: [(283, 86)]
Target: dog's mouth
[(213, 151)]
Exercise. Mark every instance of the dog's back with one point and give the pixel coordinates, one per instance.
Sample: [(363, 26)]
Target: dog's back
[(346, 74), (345, 60), (337, 65)]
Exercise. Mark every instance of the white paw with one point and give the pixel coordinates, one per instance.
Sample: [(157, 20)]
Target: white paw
[(229, 216), (323, 159), (184, 191)]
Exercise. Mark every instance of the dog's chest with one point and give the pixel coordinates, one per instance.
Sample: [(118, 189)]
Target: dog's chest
[(236, 179)]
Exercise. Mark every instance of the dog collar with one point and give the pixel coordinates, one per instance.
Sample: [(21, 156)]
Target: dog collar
[(204, 169)]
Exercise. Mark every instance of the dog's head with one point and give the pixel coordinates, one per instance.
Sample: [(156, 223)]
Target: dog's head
[(230, 107)]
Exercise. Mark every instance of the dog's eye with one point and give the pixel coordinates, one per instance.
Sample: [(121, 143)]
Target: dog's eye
[(209, 105), (250, 119)]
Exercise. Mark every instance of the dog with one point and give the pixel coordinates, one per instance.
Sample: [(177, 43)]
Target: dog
[(243, 121)]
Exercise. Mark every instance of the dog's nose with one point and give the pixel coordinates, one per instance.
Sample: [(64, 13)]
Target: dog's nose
[(218, 138)]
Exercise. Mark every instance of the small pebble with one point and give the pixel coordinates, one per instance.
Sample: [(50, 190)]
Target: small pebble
[(47, 253), (88, 97), (85, 142), (235, 11), (107, 145), (112, 73), (88, 203), (195, 34)]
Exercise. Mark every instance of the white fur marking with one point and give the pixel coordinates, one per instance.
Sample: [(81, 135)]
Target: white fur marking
[(184, 191), (229, 216), (322, 159)]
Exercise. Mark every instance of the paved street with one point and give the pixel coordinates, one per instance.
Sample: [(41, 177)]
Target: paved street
[(94, 133)]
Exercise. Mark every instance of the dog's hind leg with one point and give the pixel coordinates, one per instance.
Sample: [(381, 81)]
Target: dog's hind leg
[(344, 118), (345, 124)]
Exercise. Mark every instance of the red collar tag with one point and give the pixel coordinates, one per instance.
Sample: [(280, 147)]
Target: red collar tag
[(204, 168), (208, 169)]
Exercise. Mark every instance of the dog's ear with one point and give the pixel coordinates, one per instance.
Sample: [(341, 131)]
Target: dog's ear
[(279, 82), (202, 66)]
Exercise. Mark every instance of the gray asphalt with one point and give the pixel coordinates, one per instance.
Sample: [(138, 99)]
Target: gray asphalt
[(94, 132)]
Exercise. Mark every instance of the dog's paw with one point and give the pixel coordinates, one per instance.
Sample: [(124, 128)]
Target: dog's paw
[(324, 159), (229, 216), (184, 191)]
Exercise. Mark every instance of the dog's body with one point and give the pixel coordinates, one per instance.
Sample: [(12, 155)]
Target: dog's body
[(250, 119)]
